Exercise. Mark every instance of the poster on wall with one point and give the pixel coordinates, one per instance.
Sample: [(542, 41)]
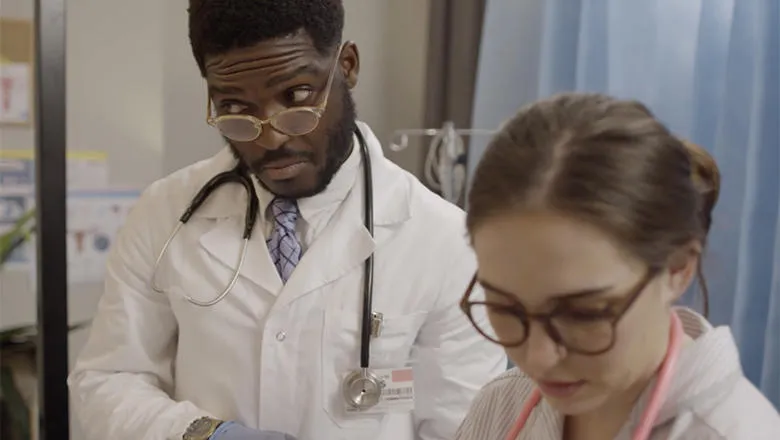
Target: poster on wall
[(95, 211), (17, 170), (85, 170), (15, 93), (17, 62), (94, 220), (12, 208)]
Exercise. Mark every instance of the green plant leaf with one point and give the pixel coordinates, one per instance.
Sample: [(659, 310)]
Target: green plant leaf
[(19, 233), (32, 330)]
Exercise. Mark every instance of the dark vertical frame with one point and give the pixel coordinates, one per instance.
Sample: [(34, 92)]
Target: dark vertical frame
[(454, 39), (50, 189)]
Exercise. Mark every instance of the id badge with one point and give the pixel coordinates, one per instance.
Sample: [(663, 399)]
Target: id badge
[(397, 392)]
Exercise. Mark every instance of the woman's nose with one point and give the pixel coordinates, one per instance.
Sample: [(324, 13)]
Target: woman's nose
[(540, 352)]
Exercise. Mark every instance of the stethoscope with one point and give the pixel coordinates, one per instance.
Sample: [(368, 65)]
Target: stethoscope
[(660, 390), (361, 388)]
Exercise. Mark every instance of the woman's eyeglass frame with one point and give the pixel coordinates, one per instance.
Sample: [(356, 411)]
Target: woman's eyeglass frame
[(547, 319)]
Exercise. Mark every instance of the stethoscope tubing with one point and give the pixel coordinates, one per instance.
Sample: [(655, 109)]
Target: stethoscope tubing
[(657, 397), (368, 272), (239, 174)]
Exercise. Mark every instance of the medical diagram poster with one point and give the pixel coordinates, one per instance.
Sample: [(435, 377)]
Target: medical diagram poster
[(85, 170), (15, 93), (12, 208), (17, 177), (95, 212), (94, 220)]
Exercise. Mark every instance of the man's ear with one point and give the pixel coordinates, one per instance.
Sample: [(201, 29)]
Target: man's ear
[(350, 64), (683, 267)]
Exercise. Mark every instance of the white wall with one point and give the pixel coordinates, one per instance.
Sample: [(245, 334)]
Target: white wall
[(392, 37), (134, 91)]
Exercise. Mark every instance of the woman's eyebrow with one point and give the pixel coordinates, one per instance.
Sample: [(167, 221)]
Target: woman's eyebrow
[(580, 293)]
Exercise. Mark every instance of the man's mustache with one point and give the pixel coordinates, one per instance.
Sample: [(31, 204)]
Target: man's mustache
[(282, 153)]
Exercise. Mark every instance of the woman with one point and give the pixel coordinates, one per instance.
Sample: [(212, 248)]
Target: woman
[(589, 219)]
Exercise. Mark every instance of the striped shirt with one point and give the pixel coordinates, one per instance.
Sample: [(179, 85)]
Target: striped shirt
[(709, 399)]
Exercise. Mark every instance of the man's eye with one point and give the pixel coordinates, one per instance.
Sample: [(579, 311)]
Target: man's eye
[(231, 108), (299, 96)]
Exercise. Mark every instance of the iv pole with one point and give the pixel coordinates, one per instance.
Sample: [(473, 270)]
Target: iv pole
[(404, 134), (445, 163), (50, 182)]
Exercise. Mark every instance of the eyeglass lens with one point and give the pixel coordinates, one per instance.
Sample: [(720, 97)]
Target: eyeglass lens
[(292, 122), (509, 327)]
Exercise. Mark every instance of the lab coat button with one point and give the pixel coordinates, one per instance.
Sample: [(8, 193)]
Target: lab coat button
[(281, 336)]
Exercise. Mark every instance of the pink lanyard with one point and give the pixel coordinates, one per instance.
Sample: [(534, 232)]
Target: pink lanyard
[(657, 398)]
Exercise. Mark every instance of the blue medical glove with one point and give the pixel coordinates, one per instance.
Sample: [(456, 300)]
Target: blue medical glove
[(235, 431)]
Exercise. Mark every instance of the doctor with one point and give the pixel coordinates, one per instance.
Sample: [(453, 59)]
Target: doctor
[(589, 219), (274, 353)]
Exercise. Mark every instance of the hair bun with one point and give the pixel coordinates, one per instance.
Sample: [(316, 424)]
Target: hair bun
[(706, 178)]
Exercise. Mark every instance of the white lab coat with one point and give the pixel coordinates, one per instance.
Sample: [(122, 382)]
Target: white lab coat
[(709, 398), (270, 355)]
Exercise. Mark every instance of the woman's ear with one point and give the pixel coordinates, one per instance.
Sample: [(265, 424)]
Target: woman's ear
[(683, 266)]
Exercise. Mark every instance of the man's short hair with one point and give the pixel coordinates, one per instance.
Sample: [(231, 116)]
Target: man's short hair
[(218, 26)]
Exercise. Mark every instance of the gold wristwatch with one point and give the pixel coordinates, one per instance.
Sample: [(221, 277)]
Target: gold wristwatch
[(201, 429)]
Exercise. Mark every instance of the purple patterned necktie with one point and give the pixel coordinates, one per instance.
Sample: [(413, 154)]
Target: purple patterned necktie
[(283, 244)]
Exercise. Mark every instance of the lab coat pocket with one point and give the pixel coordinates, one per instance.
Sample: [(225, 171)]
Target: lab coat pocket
[(341, 355), (393, 347)]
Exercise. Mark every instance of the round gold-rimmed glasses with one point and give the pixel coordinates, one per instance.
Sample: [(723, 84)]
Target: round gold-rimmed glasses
[(296, 121), (588, 333)]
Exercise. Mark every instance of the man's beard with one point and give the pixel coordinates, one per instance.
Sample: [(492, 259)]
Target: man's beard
[(339, 139)]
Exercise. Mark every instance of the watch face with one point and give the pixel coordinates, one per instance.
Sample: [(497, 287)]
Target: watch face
[(200, 428)]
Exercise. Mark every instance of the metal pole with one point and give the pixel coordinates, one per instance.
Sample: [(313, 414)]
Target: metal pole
[(50, 223)]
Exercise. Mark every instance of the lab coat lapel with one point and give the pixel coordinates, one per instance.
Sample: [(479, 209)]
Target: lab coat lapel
[(706, 370), (224, 243), (344, 245), (227, 208)]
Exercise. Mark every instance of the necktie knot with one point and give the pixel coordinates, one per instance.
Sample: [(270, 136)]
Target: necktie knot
[(285, 213)]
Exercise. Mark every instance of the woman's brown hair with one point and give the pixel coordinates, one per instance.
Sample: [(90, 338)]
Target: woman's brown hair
[(607, 161)]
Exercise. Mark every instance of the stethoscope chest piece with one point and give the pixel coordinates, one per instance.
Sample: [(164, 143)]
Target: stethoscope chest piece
[(362, 389)]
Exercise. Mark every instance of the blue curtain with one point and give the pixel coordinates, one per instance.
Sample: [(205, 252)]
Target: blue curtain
[(710, 69)]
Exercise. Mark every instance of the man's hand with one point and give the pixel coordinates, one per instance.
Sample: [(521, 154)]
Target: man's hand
[(234, 431)]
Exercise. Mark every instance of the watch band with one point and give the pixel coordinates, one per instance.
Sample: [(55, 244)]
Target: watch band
[(202, 428)]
